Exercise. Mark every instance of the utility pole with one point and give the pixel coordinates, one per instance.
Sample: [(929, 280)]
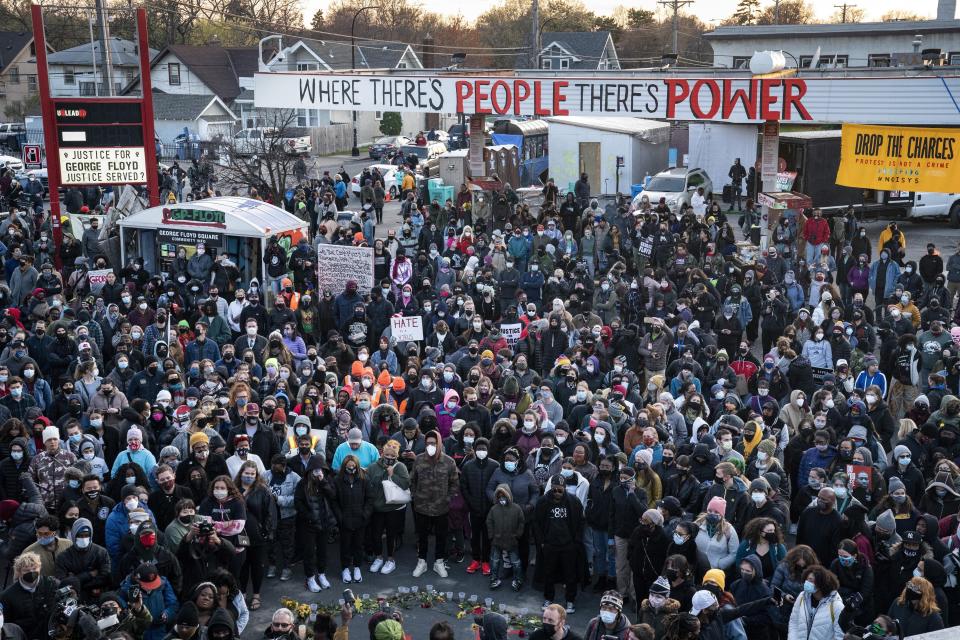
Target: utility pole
[(675, 5), (535, 34), (776, 11), (103, 33), (843, 10)]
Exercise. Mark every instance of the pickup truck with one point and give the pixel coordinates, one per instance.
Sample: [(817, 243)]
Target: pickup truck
[(9, 132), (936, 205), (250, 142)]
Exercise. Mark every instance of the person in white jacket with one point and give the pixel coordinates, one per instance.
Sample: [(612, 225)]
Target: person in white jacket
[(576, 484), (816, 611)]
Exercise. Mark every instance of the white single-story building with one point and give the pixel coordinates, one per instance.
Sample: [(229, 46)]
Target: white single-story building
[(205, 115), (592, 145)]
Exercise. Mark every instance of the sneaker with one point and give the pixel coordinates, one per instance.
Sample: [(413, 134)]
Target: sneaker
[(356, 575), (347, 576), (458, 556), (546, 603), (285, 575), (440, 568), (312, 585), (376, 566), (495, 583), (517, 584), (420, 569), (388, 567), (473, 567), (322, 581), (272, 572), (570, 608), (486, 568)]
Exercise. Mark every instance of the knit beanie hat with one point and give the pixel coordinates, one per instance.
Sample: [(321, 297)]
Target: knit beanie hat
[(886, 521), (654, 516), (717, 504), (895, 484), (612, 599), (199, 438), (660, 586), (716, 576)]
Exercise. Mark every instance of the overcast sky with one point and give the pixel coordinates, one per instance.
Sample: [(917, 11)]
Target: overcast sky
[(706, 9)]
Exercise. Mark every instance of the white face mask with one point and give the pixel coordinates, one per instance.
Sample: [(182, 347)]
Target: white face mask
[(799, 401), (431, 450), (481, 454), (131, 504), (220, 494)]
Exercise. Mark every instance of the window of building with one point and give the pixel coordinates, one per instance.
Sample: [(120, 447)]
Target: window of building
[(14, 75), (32, 83), (401, 65), (564, 63), (69, 77), (308, 118), (307, 66), (878, 60), (173, 74), (88, 89), (33, 49), (953, 58), (742, 62), (378, 115), (826, 61), (546, 63)]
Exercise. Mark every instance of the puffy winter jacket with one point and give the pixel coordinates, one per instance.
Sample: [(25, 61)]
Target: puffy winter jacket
[(117, 527), (353, 502), (824, 624), (283, 490), (376, 474), (474, 477), (523, 488), (79, 563), (505, 523)]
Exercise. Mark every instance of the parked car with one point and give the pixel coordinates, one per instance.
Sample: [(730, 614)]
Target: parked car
[(936, 205), (387, 146), (9, 132), (13, 163), (458, 137), (426, 152), (390, 180), (253, 141), (677, 185)]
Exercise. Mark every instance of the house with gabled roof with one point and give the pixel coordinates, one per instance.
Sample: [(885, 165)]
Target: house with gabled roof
[(18, 68), (585, 50)]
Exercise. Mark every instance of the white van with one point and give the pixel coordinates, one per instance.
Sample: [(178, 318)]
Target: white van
[(936, 205)]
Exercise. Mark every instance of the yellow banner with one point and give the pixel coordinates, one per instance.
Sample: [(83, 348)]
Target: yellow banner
[(900, 158)]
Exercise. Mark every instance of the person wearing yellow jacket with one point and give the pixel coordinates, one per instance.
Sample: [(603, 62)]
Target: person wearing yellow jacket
[(892, 234)]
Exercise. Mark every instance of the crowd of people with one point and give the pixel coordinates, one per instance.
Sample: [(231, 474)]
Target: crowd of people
[(723, 444)]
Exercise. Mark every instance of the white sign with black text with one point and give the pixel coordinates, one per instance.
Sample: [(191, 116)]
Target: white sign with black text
[(406, 328), (103, 165)]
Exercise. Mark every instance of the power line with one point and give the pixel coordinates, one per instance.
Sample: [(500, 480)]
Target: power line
[(843, 10), (675, 4)]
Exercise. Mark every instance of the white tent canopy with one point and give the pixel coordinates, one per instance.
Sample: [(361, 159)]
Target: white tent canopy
[(244, 217)]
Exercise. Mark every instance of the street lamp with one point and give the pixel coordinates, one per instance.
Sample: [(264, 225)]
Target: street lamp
[(355, 151)]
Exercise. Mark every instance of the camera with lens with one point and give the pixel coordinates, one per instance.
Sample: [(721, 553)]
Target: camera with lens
[(205, 529)]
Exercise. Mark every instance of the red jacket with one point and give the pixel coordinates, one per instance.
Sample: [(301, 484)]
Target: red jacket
[(816, 231)]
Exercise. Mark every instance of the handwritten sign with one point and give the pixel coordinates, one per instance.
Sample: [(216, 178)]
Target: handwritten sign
[(97, 278), (337, 264), (511, 332), (406, 328)]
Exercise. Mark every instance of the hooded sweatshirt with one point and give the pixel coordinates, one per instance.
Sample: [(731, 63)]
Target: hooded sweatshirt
[(434, 480), (505, 523)]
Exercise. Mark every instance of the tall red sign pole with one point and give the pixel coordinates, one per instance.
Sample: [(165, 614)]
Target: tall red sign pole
[(146, 108), (49, 130), (48, 110)]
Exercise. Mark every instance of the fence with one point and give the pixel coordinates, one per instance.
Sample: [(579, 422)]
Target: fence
[(333, 138)]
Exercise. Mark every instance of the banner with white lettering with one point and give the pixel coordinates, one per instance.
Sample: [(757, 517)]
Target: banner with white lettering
[(97, 278), (338, 264), (406, 328), (738, 99)]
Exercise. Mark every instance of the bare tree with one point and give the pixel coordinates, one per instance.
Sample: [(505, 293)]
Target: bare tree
[(265, 162)]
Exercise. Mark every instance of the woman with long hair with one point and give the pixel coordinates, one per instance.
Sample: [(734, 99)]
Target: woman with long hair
[(225, 507), (788, 578), (763, 538), (314, 519), (353, 507), (916, 608), (717, 540), (230, 597), (817, 609), (260, 527)]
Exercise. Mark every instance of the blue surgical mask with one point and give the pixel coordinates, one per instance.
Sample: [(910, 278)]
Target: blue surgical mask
[(46, 540), (73, 484), (809, 587), (678, 539), (846, 561), (510, 466)]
